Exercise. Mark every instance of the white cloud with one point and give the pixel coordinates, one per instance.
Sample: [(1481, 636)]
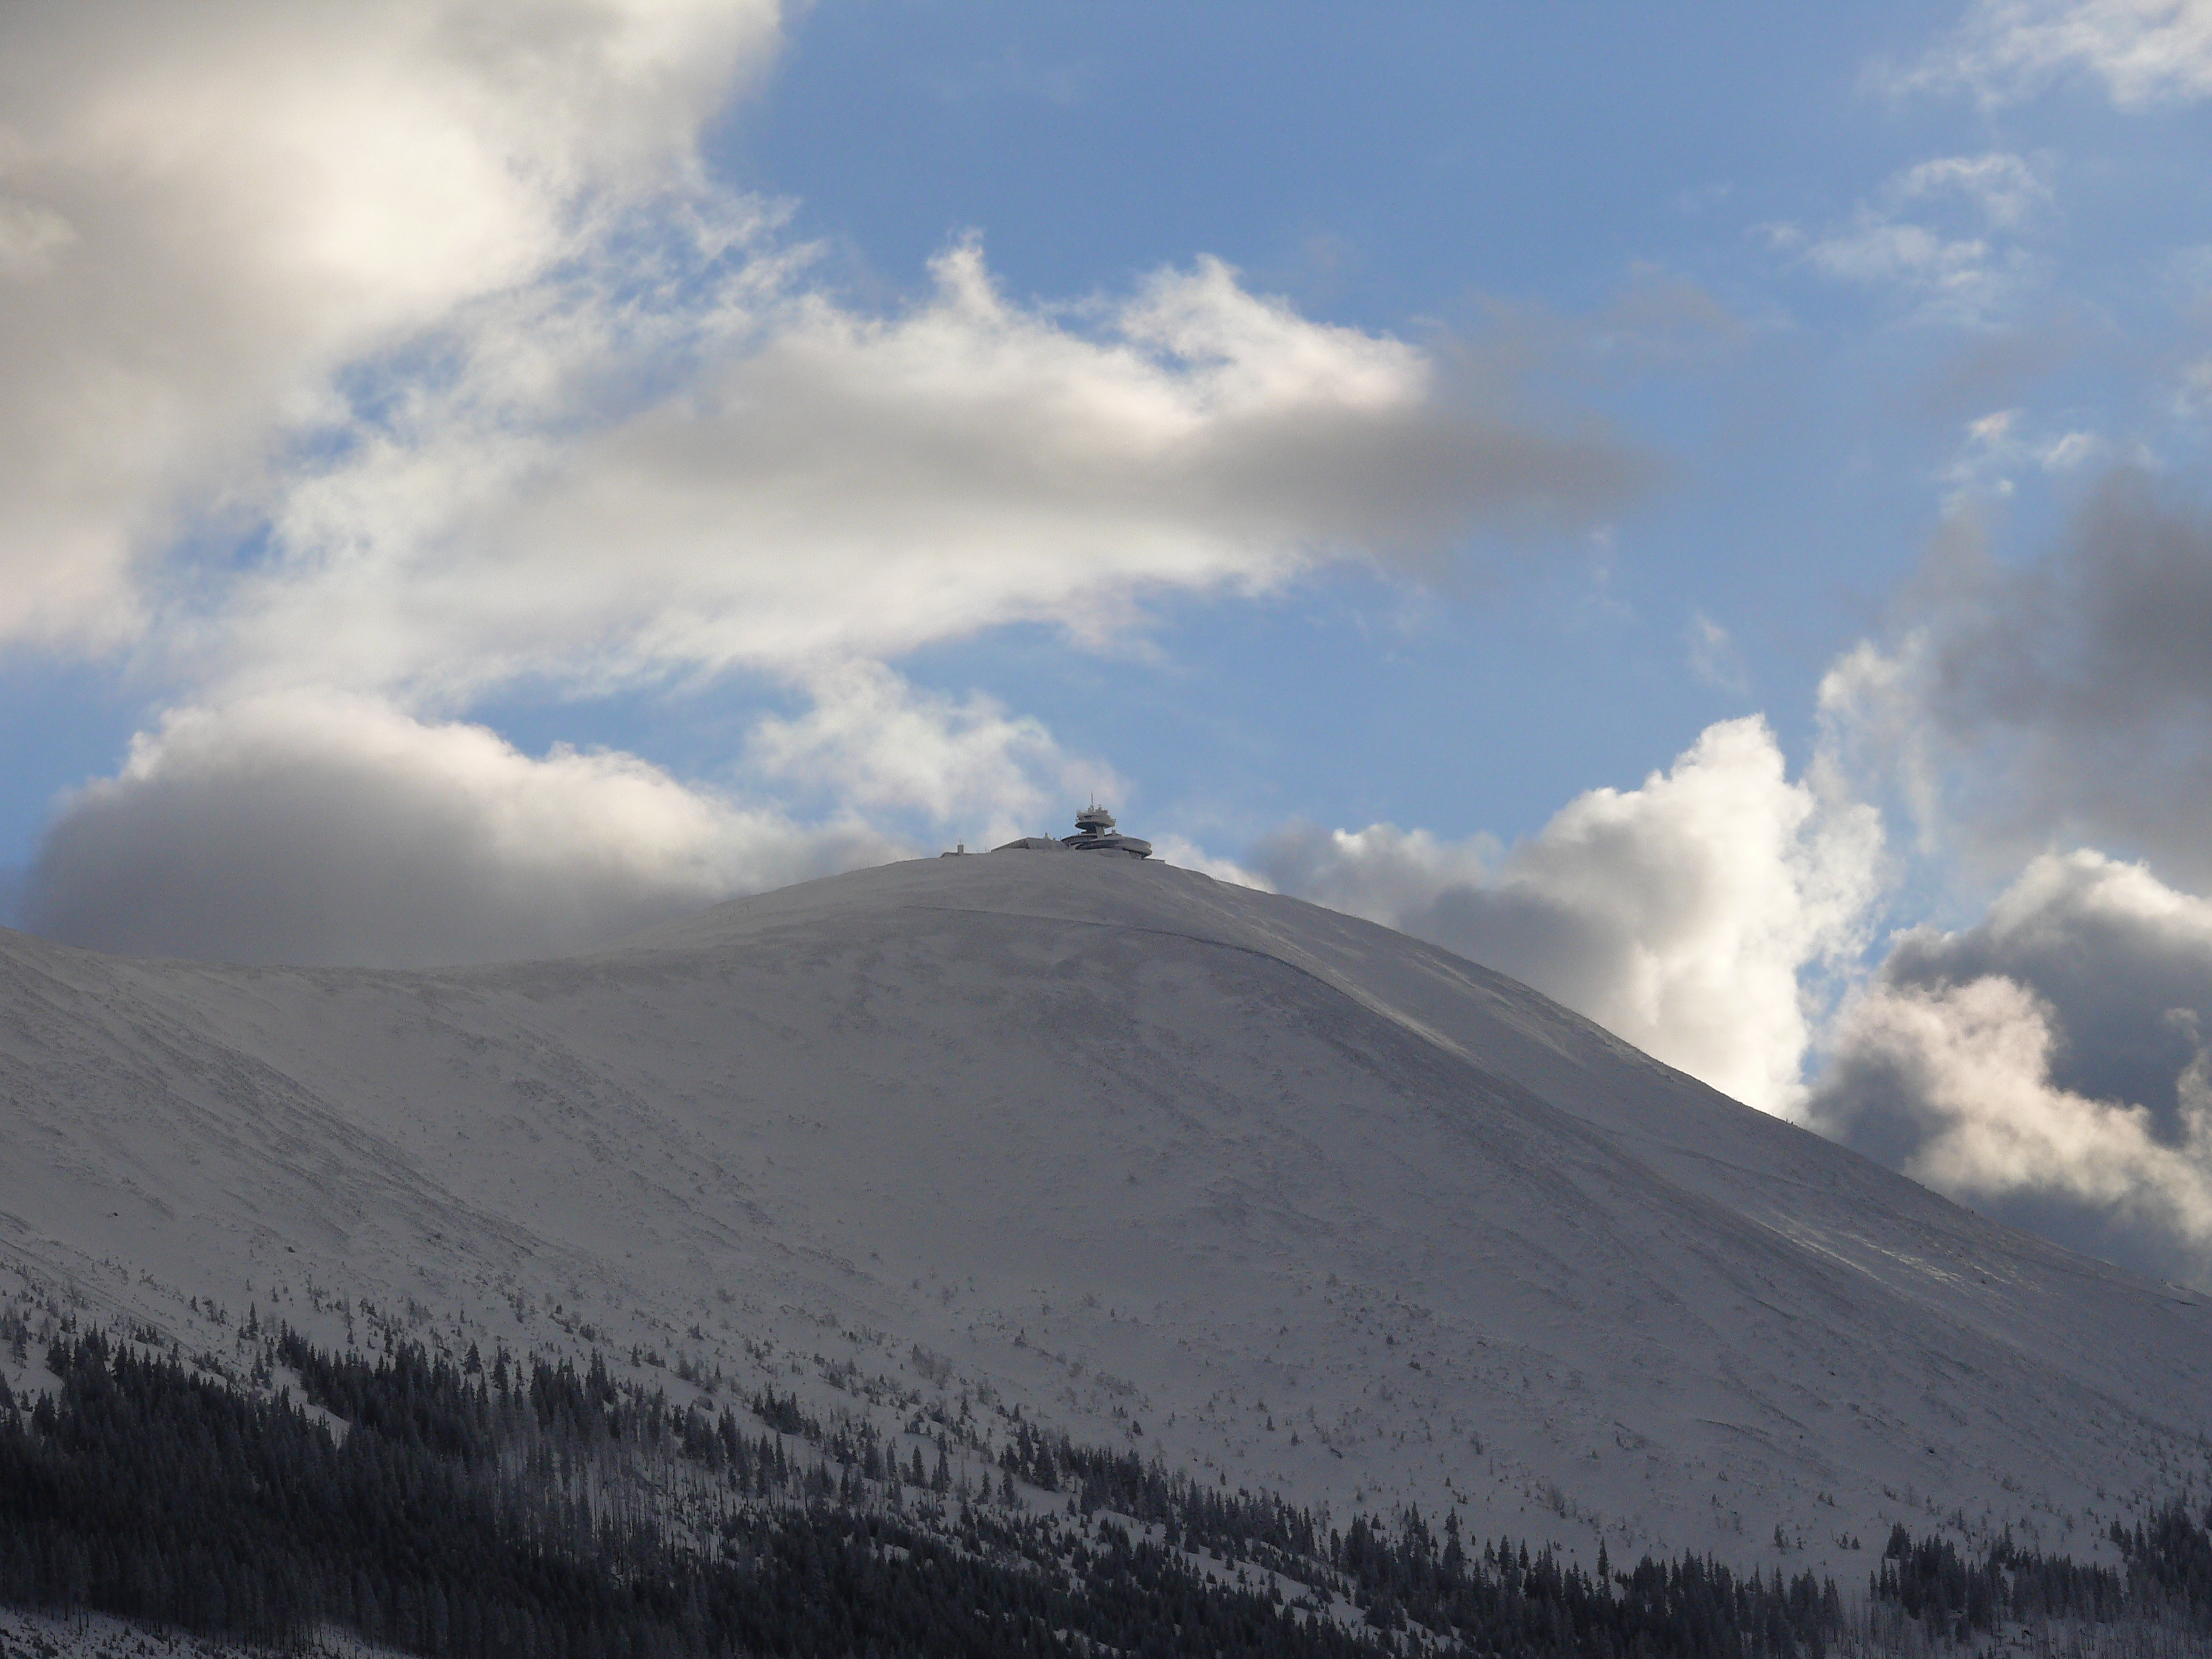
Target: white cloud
[(2048, 1064), (1712, 654), (1688, 917), (1998, 447), (1186, 853), (1878, 249), (208, 208), (441, 291), (1986, 461), (1944, 232), (2001, 188), (385, 359), (2070, 450), (872, 743), (1381, 872), (826, 484), (342, 831), (1969, 1067), (332, 828), (2145, 52)]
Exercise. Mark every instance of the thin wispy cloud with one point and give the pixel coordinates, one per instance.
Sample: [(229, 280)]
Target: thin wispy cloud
[(1712, 655), (2143, 53), (1945, 234)]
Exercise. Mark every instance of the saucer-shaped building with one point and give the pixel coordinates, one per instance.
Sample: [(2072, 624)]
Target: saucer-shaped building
[(1094, 833)]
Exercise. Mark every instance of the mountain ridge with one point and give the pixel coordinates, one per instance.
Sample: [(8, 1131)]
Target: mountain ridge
[(1314, 1178)]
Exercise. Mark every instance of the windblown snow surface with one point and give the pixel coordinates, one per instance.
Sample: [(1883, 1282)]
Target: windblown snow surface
[(1285, 1198)]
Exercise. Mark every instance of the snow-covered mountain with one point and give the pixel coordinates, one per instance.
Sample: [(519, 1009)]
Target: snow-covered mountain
[(1290, 1200)]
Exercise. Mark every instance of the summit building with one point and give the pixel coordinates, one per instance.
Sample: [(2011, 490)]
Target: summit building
[(1094, 833)]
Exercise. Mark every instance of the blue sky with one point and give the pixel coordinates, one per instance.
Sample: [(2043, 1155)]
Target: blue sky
[(1408, 178), (1703, 510), (1419, 174)]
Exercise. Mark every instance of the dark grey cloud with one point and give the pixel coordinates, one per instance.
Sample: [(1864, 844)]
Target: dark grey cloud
[(2048, 1064), (2112, 631), (1994, 372), (2065, 702), (1414, 482)]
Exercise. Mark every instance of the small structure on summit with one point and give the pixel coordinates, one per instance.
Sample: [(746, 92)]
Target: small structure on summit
[(1094, 833)]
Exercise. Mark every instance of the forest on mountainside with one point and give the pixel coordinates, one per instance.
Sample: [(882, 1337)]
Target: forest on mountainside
[(466, 1510)]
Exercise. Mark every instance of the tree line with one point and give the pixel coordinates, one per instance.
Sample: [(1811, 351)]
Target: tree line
[(467, 1510)]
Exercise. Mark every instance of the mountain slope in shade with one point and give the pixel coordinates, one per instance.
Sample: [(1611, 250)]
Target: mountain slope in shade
[(1280, 1195)]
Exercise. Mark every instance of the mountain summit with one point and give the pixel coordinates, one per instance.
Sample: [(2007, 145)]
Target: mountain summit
[(1291, 1201)]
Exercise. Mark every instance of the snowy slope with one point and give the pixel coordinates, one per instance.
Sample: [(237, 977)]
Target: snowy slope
[(1283, 1195)]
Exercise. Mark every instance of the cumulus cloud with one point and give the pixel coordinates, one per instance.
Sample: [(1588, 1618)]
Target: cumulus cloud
[(1691, 915), (873, 742), (2048, 1064), (385, 359), (2145, 52), (600, 486), (341, 832), (207, 208), (2064, 701), (331, 828)]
